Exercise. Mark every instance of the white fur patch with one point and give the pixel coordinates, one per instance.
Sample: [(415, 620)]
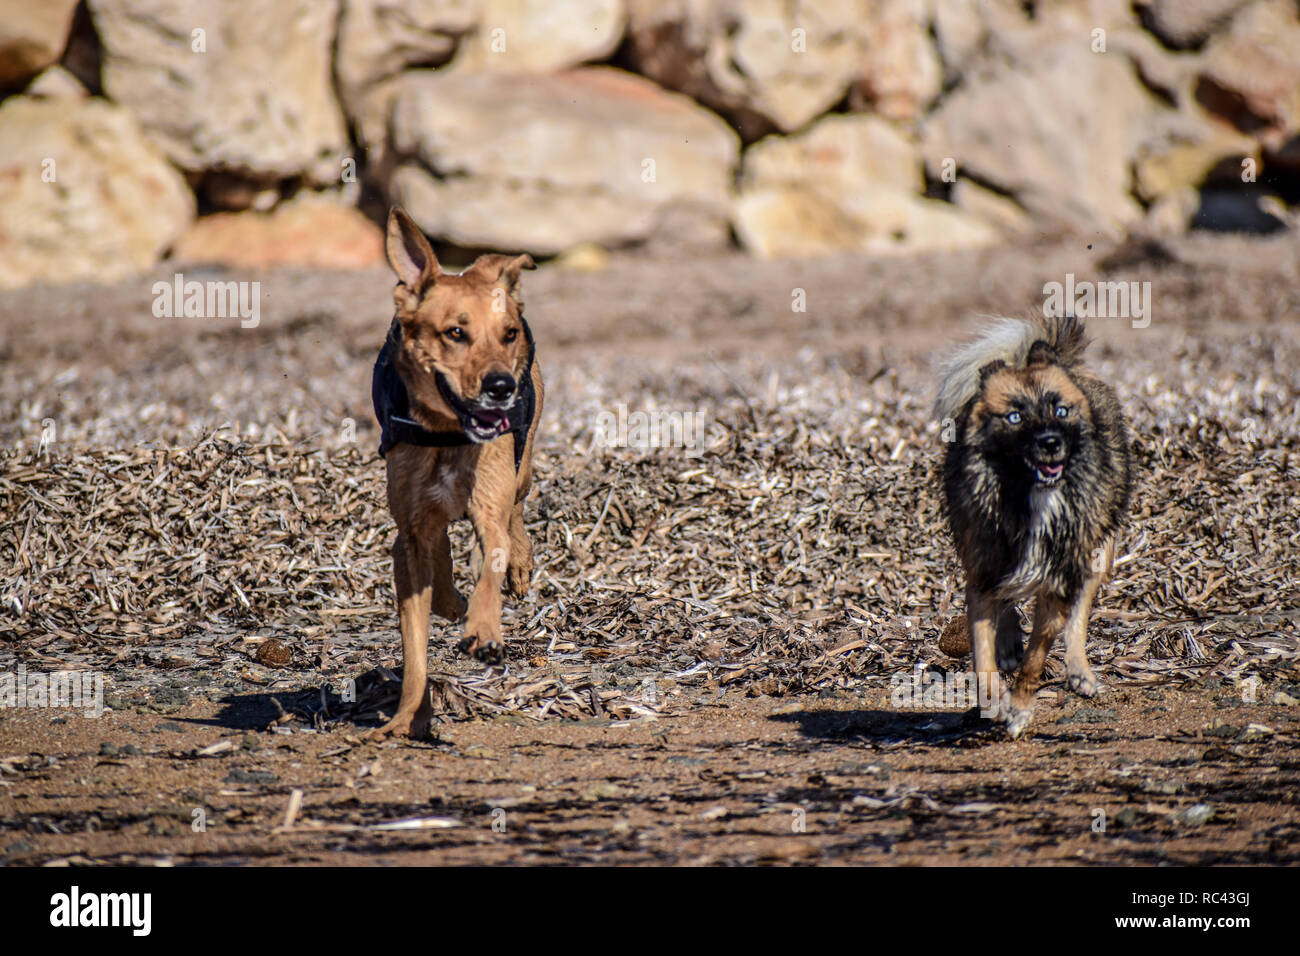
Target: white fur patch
[(1046, 507)]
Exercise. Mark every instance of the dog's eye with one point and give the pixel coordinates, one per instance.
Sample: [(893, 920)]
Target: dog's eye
[(1013, 418), (455, 333), (511, 335), (1062, 411)]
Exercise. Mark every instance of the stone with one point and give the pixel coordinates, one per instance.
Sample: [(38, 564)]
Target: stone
[(379, 39), (1061, 156), (542, 163), (901, 73), (246, 88), (841, 154), (56, 83), (764, 64), (1186, 24), (1002, 213), (527, 36), (310, 231), (84, 196), (32, 36), (848, 184), (1250, 75), (1184, 150)]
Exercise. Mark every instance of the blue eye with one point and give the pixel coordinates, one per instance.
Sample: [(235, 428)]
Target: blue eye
[(1013, 418), (1062, 411)]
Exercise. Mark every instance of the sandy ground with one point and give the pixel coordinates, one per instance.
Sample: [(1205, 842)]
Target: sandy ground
[(767, 592)]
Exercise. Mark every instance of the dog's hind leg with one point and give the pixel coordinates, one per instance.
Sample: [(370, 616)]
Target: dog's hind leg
[(447, 601), (520, 572), (1010, 640), (1049, 616), (1078, 675), (982, 614), (413, 580)]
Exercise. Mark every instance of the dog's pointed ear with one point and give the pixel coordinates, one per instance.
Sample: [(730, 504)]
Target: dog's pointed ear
[(989, 369), (409, 253), (1040, 353), (504, 269)]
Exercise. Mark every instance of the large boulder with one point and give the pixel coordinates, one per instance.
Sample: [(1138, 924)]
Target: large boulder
[(901, 73), (542, 35), (1250, 75), (1181, 151), (849, 184), (310, 231), (32, 35), (84, 195), (543, 162), (1055, 132), (378, 39), (1186, 24), (770, 65), (240, 87)]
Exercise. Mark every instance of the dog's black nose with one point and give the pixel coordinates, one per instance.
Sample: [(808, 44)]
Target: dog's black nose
[(498, 386), (1049, 443)]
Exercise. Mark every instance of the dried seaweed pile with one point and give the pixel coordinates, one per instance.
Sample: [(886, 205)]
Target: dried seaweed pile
[(802, 548)]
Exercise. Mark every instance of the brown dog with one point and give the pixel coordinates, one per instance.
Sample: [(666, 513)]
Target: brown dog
[(457, 393)]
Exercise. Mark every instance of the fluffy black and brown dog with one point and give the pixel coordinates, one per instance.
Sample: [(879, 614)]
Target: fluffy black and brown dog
[(1036, 485)]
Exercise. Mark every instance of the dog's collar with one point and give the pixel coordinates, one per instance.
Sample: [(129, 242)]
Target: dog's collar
[(392, 403)]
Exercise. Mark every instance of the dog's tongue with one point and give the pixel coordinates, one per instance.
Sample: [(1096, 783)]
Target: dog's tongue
[(1050, 471)]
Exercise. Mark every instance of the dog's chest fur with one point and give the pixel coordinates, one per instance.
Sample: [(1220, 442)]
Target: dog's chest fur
[(431, 485)]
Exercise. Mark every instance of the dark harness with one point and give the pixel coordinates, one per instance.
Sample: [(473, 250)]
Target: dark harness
[(393, 405)]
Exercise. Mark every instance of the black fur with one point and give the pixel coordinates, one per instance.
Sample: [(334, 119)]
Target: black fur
[(994, 497)]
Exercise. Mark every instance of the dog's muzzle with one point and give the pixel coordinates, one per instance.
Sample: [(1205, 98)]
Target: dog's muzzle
[(1047, 461), (489, 416)]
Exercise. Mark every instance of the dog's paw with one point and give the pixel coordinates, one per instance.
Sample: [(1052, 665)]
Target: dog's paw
[(402, 725), (1083, 682), (1017, 719), (451, 606), (995, 703), (519, 577), (1010, 658), (489, 650)]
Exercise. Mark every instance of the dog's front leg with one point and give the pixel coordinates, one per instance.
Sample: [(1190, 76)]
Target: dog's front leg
[(1049, 616), (413, 567), (1010, 640), (1078, 674), (982, 614), (489, 513)]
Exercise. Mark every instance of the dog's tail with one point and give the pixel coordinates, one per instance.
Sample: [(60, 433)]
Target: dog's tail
[(1010, 341)]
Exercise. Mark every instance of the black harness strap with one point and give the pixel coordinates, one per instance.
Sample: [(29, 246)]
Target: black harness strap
[(393, 404)]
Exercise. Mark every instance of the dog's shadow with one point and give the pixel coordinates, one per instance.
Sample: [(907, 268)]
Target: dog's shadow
[(885, 726), (258, 712)]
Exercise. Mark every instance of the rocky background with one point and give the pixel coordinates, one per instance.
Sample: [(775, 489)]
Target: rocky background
[(249, 134)]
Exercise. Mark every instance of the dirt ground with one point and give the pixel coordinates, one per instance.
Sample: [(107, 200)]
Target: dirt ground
[(702, 673)]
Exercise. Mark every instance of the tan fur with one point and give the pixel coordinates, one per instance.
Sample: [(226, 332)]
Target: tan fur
[(429, 488), (1007, 383)]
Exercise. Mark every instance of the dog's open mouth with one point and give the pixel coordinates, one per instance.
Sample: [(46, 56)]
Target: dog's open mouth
[(1047, 473), (479, 422), (484, 424)]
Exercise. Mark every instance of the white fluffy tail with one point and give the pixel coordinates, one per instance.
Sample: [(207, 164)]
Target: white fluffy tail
[(1006, 340)]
